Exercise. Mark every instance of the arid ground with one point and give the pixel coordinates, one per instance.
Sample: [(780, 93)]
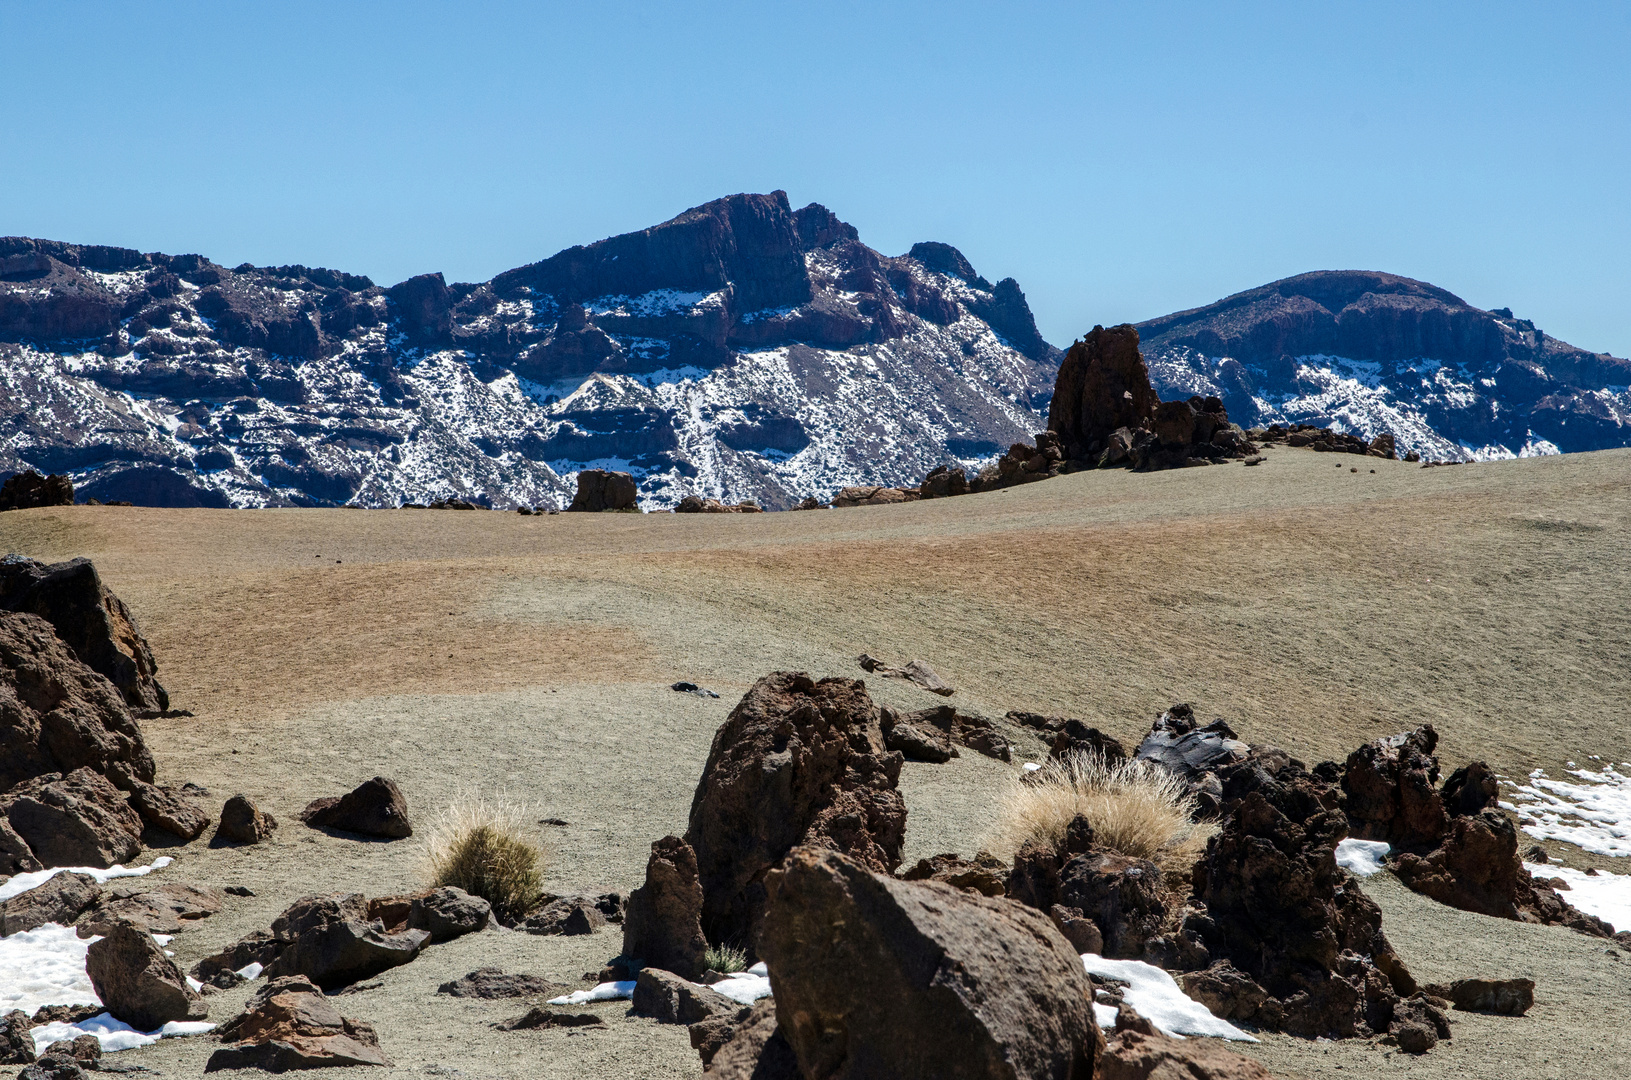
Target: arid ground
[(528, 658)]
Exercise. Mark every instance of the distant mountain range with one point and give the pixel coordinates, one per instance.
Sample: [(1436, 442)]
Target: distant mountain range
[(1368, 352), (743, 349)]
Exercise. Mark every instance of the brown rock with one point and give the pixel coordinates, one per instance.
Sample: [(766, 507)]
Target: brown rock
[(15, 856), (538, 1017), (1390, 786), (74, 820), (158, 910), (668, 998), (447, 913), (755, 1048), (600, 490), (137, 982), (1082, 932), (871, 495), (566, 915), (289, 1024), (1504, 997), (796, 762), (879, 977), (943, 483), (1137, 1055), (57, 714), (166, 809), (375, 808), (1226, 990), (1121, 895), (1075, 737), (663, 924), (330, 940), (1174, 423), (86, 1049), (58, 899), (94, 624), (942, 725), (494, 983), (985, 874), (1103, 385), (242, 822), (16, 1044)]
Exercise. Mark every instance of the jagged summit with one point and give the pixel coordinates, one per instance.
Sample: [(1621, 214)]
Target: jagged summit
[(1367, 351), (741, 349)]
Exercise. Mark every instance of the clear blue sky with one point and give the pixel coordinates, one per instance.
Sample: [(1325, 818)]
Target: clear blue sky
[(1120, 161)]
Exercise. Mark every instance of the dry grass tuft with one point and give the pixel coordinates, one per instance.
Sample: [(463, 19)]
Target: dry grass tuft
[(481, 847), (726, 959), (1135, 808)]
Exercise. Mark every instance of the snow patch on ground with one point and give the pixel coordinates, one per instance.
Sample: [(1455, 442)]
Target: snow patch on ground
[(1362, 857), (21, 883), (1594, 815), (114, 1034), (1605, 895), (606, 991), (1156, 997), (745, 987), (44, 966)]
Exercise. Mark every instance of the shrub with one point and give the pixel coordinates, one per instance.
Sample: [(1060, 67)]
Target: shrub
[(726, 959), (1136, 808), (481, 847)]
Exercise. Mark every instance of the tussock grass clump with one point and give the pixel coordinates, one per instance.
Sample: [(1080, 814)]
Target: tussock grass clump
[(482, 848), (726, 959), (1135, 808)]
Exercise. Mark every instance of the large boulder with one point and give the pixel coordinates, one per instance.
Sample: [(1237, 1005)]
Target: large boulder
[(16, 1044), (58, 899), (242, 822), (74, 820), (669, 999), (797, 762), (159, 909), (28, 490), (663, 924), (57, 714), (878, 977), (374, 808), (331, 941), (1103, 384), (600, 490), (289, 1024), (1197, 754), (168, 810), (1281, 910), (137, 982), (1133, 1054), (93, 622), (1391, 794)]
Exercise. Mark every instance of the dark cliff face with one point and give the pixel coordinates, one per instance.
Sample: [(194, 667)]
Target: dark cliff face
[(1371, 352), (741, 349)]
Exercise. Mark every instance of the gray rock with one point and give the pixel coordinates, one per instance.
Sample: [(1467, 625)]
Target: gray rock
[(137, 982), (329, 940), (448, 913), (58, 899), (161, 909), (494, 983), (289, 1024), (670, 999)]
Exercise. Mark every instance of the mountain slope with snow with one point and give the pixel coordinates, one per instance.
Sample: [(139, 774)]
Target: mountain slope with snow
[(1368, 352), (740, 350)]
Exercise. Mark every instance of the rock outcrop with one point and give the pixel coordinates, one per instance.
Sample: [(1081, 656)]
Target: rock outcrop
[(60, 899), (670, 999), (374, 808), (797, 762), (878, 977), (137, 982), (74, 820), (331, 941), (663, 924), (492, 983), (289, 1024), (28, 489), (1103, 385), (159, 909), (600, 490), (91, 620), (929, 734), (1195, 753), (169, 810)]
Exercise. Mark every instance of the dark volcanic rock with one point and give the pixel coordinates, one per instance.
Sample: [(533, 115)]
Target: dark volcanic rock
[(670, 999), (447, 913), (242, 822), (289, 1024), (600, 490), (1103, 385), (167, 809), (566, 915), (879, 977), (160, 909), (663, 924), (752, 1049), (1148, 1055), (985, 873), (494, 983), (16, 1044), (329, 940), (1391, 790), (27, 490), (74, 820), (93, 622), (1074, 738), (137, 982), (1197, 754), (537, 1017), (375, 808), (796, 762), (1504, 997)]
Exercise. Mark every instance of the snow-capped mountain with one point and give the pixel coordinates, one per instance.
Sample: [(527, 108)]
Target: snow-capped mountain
[(1368, 352), (740, 350)]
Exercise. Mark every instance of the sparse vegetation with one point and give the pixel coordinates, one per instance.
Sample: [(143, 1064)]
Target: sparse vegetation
[(727, 958), (481, 847), (1135, 808)]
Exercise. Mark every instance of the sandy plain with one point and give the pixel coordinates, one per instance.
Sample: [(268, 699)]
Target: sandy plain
[(529, 658)]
